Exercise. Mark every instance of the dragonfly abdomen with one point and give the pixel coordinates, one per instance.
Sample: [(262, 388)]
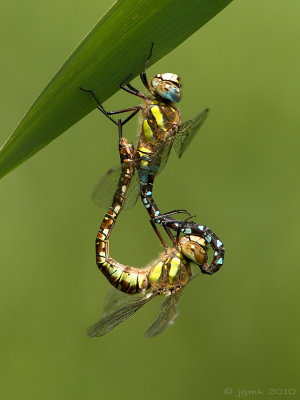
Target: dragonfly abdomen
[(124, 278)]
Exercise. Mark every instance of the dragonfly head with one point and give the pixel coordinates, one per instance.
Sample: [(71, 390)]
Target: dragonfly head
[(194, 248), (167, 86)]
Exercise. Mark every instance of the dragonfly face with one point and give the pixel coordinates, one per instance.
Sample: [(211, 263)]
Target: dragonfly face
[(167, 86)]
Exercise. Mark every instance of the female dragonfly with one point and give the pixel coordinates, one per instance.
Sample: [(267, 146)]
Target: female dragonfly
[(168, 275)]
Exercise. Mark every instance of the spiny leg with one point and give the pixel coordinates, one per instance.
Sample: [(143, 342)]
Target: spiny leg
[(130, 89), (158, 234), (181, 224), (160, 219), (120, 131), (108, 114), (143, 75)]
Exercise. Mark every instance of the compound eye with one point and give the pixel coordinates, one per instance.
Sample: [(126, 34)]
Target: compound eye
[(194, 250), (155, 82)]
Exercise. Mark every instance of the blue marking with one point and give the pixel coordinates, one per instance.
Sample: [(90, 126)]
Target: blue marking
[(182, 230), (220, 261), (144, 177), (219, 243), (145, 201), (147, 205), (208, 238), (172, 94), (188, 230), (148, 193), (201, 227), (157, 213)]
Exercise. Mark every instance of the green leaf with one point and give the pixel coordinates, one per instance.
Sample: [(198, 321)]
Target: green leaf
[(116, 48)]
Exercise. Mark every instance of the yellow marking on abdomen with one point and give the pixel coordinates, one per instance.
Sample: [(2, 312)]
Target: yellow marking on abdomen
[(142, 151), (144, 164), (126, 277)]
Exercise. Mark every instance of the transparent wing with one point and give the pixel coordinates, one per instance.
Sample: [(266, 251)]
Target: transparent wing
[(187, 131), (114, 299), (119, 306), (105, 188), (167, 314), (164, 153), (160, 156)]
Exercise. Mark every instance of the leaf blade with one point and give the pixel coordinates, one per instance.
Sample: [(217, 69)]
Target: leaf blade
[(103, 59)]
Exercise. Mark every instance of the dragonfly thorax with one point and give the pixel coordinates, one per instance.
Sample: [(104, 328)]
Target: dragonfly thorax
[(194, 248), (167, 86)]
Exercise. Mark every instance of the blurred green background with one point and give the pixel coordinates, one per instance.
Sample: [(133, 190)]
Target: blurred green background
[(239, 329)]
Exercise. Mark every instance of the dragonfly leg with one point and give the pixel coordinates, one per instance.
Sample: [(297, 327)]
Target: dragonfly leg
[(167, 214), (181, 225), (143, 75), (108, 114), (162, 241), (164, 222), (131, 115), (160, 218), (120, 130), (146, 193), (130, 89), (171, 224)]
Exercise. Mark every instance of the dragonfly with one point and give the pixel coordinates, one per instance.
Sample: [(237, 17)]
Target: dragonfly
[(161, 130), (166, 276)]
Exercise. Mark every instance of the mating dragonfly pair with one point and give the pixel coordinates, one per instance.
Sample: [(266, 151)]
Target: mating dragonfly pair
[(161, 130)]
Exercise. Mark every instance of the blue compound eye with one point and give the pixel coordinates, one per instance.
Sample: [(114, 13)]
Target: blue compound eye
[(167, 86), (193, 250), (170, 92)]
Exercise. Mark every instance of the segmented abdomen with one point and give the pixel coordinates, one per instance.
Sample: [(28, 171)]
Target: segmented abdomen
[(125, 278)]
